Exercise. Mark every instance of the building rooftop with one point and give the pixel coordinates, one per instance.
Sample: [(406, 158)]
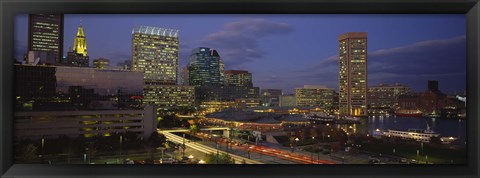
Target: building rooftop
[(155, 31)]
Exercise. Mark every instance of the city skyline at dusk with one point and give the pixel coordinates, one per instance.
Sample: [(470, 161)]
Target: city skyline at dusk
[(289, 51)]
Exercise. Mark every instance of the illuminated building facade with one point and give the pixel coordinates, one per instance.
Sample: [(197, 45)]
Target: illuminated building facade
[(287, 100), (78, 56), (353, 74), (270, 97), (238, 78), (315, 96), (101, 63), (205, 68), (45, 34), (168, 96), (155, 53), (48, 124), (385, 96)]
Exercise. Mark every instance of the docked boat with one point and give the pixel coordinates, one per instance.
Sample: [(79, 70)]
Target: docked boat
[(320, 117), (413, 134), (408, 113)]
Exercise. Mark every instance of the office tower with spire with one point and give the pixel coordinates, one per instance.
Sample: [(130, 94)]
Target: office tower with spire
[(353, 74), (77, 56), (45, 35)]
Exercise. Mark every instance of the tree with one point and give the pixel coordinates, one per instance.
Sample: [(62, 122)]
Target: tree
[(26, 153), (193, 129), (154, 141), (220, 159)]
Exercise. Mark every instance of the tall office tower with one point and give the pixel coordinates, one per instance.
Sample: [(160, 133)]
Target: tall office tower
[(78, 57), (45, 34), (353, 74), (155, 52), (101, 63), (205, 68), (238, 78)]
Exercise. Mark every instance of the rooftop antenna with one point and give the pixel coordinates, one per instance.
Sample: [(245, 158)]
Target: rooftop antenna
[(81, 21)]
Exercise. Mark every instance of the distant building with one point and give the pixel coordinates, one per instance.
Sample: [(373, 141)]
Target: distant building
[(45, 34), (101, 63), (41, 58), (385, 96), (224, 93), (33, 125), (353, 74), (184, 78), (238, 78), (270, 97), (169, 96), (431, 103), (205, 68), (287, 100), (315, 96), (78, 56), (34, 85)]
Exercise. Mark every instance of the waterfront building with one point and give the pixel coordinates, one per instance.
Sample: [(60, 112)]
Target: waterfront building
[(52, 124), (78, 57), (353, 74), (287, 100), (315, 96), (238, 78), (205, 68), (45, 34), (385, 96), (101, 63)]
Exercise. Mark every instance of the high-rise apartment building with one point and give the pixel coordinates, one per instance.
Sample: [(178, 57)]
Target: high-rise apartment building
[(353, 74), (45, 34), (205, 68), (155, 52), (238, 78)]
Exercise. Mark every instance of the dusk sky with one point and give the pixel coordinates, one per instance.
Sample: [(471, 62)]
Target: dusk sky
[(289, 51)]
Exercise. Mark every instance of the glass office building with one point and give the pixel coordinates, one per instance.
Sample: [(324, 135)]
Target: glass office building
[(206, 68)]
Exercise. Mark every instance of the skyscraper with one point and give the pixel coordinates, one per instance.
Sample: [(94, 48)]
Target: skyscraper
[(353, 74), (155, 52), (205, 68), (78, 57), (45, 34)]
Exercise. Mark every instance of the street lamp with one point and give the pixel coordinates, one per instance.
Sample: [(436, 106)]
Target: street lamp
[(311, 153)]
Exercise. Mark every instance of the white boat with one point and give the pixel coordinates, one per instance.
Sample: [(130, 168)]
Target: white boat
[(414, 134)]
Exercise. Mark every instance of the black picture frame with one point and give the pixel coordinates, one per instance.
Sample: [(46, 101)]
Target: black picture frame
[(9, 8)]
